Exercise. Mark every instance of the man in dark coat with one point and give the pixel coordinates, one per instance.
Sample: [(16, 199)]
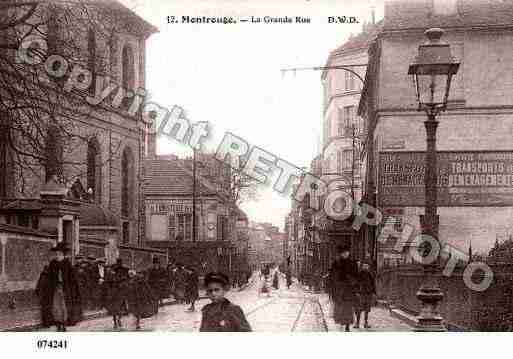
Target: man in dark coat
[(180, 284), (62, 290), (367, 291), (288, 275), (116, 279), (158, 280), (342, 286), (140, 298), (221, 315), (192, 288)]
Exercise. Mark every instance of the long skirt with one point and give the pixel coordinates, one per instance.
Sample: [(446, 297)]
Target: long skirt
[(59, 308), (343, 311)]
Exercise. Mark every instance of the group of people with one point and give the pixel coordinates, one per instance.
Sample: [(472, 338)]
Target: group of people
[(351, 289), (270, 277), (65, 290)]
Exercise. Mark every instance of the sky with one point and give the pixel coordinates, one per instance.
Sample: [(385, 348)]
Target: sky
[(229, 75)]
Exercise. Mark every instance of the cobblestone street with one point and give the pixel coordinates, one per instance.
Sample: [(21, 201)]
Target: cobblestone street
[(284, 310)]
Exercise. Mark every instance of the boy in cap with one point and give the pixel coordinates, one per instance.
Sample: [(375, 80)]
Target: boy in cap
[(221, 315)]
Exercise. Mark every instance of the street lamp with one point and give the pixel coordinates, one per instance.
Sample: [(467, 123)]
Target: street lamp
[(432, 72)]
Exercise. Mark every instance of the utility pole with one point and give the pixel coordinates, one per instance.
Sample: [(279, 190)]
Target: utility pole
[(352, 162), (194, 195)]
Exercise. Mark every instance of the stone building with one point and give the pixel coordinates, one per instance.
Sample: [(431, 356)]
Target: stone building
[(168, 191), (476, 127), (102, 146), (70, 171)]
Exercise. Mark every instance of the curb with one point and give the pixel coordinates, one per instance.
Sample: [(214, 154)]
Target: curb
[(87, 316)]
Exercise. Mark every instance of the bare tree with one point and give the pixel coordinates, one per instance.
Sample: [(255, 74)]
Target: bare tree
[(42, 119)]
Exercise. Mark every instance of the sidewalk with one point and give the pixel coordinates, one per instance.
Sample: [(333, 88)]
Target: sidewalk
[(28, 320), (380, 319)]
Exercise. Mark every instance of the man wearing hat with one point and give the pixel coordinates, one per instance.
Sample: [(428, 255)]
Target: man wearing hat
[(342, 286), (158, 280), (62, 290), (221, 315)]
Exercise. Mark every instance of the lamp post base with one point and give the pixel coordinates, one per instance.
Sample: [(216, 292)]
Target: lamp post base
[(429, 319)]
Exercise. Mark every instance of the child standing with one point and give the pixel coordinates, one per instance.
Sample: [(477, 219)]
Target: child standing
[(221, 315)]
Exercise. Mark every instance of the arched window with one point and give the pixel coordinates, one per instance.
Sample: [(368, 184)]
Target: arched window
[(53, 153), (127, 182), (5, 163), (91, 60), (94, 170), (128, 70)]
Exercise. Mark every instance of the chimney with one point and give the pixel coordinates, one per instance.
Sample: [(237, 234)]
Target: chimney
[(373, 15)]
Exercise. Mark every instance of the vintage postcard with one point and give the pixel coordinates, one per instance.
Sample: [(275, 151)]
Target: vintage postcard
[(268, 166)]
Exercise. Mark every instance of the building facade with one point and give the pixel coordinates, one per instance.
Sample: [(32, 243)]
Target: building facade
[(473, 133)]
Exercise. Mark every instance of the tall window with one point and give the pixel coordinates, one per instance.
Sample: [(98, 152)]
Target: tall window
[(222, 228), (350, 83), (5, 164), (341, 126), (94, 169), (180, 226), (125, 235), (347, 160), (53, 153), (127, 182), (91, 63), (348, 119), (128, 70)]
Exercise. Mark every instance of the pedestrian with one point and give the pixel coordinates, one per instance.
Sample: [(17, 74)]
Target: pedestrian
[(180, 283), (288, 276), (84, 284), (98, 275), (45, 300), (343, 275), (62, 290), (276, 280), (221, 315), (158, 280), (140, 299), (115, 283), (367, 291), (192, 288)]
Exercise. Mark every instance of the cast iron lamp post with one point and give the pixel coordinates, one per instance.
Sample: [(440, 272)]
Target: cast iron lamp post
[(432, 72)]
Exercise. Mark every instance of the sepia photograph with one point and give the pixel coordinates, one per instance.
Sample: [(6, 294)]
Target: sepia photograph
[(271, 166)]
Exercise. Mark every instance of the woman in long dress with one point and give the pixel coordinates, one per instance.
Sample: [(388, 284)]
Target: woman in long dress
[(62, 291), (343, 293)]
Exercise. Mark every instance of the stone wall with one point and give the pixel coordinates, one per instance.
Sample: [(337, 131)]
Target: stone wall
[(462, 307), (23, 254)]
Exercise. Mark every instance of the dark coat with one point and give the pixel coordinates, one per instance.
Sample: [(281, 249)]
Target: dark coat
[(70, 288), (141, 301), (276, 281), (366, 282), (223, 316), (192, 289), (158, 280), (367, 289), (288, 275), (45, 299), (116, 290), (343, 289)]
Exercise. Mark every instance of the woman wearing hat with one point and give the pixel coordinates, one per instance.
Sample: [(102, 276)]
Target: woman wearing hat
[(63, 290), (342, 285), (221, 315)]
